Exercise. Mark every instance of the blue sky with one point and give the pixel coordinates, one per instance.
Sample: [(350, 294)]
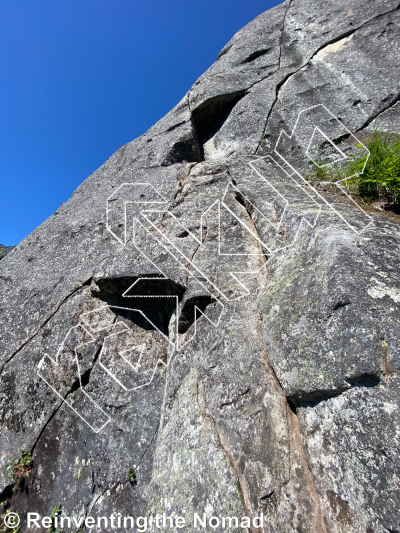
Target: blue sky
[(82, 78)]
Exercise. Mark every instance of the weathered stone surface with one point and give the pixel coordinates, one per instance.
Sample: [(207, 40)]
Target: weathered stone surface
[(198, 314)]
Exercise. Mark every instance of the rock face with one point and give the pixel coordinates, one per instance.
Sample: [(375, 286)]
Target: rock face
[(197, 330)]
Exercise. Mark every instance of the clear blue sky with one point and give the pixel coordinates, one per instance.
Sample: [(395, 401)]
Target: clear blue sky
[(80, 78)]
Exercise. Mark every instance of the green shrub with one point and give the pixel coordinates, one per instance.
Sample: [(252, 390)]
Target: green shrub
[(381, 177)]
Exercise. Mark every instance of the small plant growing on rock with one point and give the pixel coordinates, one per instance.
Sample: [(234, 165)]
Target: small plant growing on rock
[(21, 467), (131, 476), (5, 528), (7, 519), (54, 513)]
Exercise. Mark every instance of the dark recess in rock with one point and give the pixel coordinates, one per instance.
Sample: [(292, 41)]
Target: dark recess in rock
[(186, 149), (255, 55), (148, 295), (209, 116), (188, 312), (313, 398), (85, 377), (341, 304), (364, 380)]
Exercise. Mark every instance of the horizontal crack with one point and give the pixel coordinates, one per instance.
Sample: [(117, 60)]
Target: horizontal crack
[(313, 398), (254, 55), (236, 399)]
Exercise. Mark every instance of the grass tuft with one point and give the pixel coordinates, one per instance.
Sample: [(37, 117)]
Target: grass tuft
[(381, 177), (380, 180)]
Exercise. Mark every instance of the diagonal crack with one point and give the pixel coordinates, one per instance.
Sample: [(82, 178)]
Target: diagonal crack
[(282, 82), (282, 32), (249, 211), (57, 307), (75, 386), (293, 73), (392, 103)]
